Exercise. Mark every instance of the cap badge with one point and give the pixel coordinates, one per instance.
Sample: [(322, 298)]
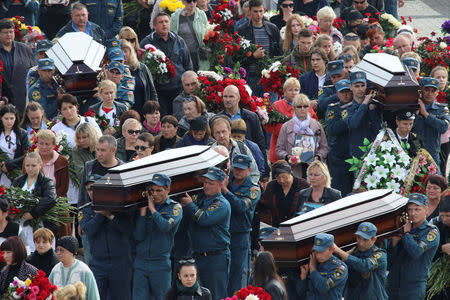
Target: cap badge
[(364, 229), (318, 242)]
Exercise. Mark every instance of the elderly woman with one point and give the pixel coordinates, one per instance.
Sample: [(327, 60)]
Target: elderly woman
[(152, 115), (131, 129), (128, 33), (320, 192), (313, 81), (325, 18), (435, 185), (68, 105), (190, 23), (14, 254), (110, 109), (129, 114), (144, 88), (33, 119), (13, 141), (293, 26), (286, 7), (144, 145), (291, 88), (168, 137), (86, 138), (199, 133), (193, 107), (281, 194), (301, 127), (35, 182)]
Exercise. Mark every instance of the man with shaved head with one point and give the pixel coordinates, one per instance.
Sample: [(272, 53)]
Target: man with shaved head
[(254, 132), (403, 43)]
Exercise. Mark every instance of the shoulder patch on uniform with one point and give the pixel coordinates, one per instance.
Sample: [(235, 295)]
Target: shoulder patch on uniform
[(80, 216), (377, 255), (130, 96), (176, 210), (31, 80), (344, 114), (130, 83), (254, 192), (338, 273), (432, 234), (214, 206), (330, 114), (36, 95), (320, 92)]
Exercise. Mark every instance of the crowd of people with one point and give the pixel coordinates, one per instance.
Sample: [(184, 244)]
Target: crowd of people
[(207, 246)]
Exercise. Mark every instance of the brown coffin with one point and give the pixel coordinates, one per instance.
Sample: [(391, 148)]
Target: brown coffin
[(124, 187), (396, 85), (291, 244)]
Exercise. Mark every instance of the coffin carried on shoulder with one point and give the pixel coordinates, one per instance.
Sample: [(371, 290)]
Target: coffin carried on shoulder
[(396, 85), (125, 186), (292, 243)]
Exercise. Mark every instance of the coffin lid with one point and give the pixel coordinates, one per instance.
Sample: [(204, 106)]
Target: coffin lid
[(171, 162), (353, 209), (76, 53), (382, 69)]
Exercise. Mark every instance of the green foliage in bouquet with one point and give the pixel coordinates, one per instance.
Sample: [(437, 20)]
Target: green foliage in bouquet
[(12, 174), (439, 277)]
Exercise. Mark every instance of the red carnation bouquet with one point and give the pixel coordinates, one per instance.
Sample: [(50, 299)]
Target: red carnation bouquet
[(225, 14), (102, 121), (251, 293), (434, 53), (159, 64), (274, 77), (34, 288)]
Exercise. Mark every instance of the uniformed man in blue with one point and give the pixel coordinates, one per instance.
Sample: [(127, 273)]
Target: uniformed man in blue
[(363, 117), (407, 139), (410, 255), (327, 273), (367, 266), (128, 82), (412, 64), (243, 196), (327, 95), (108, 14), (110, 249), (116, 73), (209, 231), (433, 118), (339, 138), (156, 225), (45, 90), (32, 75)]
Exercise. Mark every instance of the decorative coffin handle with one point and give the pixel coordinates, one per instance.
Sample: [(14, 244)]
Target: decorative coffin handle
[(108, 180)]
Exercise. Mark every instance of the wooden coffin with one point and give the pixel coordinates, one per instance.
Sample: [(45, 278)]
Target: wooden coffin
[(77, 59), (396, 85), (124, 187), (292, 243)]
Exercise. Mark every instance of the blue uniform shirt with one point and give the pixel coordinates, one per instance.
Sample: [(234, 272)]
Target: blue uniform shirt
[(108, 14), (327, 282), (45, 96), (243, 200), (125, 90), (210, 223), (429, 130), (154, 234), (410, 262), (366, 274), (338, 130), (327, 95)]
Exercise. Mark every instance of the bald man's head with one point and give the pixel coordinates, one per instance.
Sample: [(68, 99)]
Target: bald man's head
[(231, 99), (402, 43)]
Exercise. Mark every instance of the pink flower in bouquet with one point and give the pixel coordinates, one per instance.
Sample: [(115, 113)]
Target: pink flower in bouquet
[(422, 160), (432, 169)]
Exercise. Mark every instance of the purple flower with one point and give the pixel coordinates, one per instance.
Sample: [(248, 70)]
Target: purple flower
[(446, 26), (227, 70), (447, 39), (242, 72)]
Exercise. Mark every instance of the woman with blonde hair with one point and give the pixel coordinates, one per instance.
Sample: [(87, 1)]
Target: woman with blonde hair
[(325, 18), (293, 26), (71, 292), (320, 192), (127, 33), (144, 88), (86, 137), (325, 42)]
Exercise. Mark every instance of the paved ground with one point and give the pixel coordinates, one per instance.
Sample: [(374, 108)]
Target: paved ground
[(427, 15)]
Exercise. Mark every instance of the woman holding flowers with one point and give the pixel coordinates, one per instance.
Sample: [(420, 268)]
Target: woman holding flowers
[(33, 119), (14, 253), (36, 183), (301, 125), (266, 276), (435, 185), (13, 142), (293, 26), (186, 283), (190, 23)]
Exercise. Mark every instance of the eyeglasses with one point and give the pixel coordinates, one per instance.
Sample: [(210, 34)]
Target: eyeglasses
[(133, 40), (375, 25), (346, 56), (142, 148), (287, 5), (301, 106), (186, 261), (351, 37), (134, 131), (190, 98)]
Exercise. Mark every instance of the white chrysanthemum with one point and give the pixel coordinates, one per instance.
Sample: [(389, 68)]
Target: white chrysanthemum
[(227, 15), (386, 145), (162, 68), (274, 66), (389, 159), (385, 16), (265, 73), (251, 297), (393, 185), (244, 43), (60, 135), (371, 181), (399, 172), (371, 160), (405, 159), (442, 45), (381, 172), (210, 74)]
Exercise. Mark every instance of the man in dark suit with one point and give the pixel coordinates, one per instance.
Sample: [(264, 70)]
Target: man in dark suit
[(409, 141), (17, 58)]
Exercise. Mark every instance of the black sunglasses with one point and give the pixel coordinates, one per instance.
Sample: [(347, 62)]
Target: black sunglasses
[(131, 40), (351, 37), (186, 261), (190, 1), (301, 106), (190, 98), (142, 148), (287, 5), (134, 131)]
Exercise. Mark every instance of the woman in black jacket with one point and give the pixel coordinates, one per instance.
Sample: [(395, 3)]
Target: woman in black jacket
[(35, 182), (14, 141), (186, 284), (266, 276), (320, 192)]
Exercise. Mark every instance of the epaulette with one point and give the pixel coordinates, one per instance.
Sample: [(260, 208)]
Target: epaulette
[(414, 135), (327, 86), (346, 105), (333, 104), (441, 104), (431, 225)]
